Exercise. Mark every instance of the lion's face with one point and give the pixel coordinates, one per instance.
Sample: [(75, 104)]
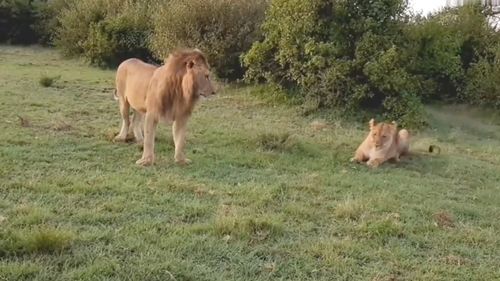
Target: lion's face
[(200, 75), (382, 134)]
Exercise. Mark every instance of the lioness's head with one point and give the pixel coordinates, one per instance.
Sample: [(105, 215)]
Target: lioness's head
[(382, 134)]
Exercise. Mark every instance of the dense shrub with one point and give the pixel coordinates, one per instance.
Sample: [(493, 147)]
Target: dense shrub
[(339, 53), (18, 21), (48, 19), (30, 21), (345, 54), (483, 83), (446, 47), (370, 54), (105, 32), (223, 29)]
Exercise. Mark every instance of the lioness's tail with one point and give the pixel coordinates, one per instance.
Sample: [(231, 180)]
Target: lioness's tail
[(434, 149), (404, 135), (403, 142), (115, 94)]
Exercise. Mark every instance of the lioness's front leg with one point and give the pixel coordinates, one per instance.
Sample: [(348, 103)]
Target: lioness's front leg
[(179, 134), (150, 124), (359, 157), (375, 162)]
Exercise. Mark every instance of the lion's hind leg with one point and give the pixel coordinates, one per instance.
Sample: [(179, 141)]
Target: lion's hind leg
[(137, 126), (124, 112)]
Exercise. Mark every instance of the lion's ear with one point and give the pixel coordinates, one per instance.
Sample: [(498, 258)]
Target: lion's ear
[(372, 123), (190, 64), (395, 124)]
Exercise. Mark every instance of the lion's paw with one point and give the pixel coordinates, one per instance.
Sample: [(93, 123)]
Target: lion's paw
[(120, 139), (183, 162), (145, 161)]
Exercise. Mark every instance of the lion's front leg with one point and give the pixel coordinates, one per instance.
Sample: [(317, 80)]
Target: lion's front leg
[(150, 124), (179, 133)]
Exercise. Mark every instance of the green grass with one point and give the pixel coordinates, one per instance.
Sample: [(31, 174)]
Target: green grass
[(270, 195)]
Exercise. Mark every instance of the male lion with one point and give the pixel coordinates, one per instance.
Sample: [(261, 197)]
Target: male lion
[(383, 143), (166, 93)]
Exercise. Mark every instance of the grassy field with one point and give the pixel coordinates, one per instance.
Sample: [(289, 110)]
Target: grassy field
[(270, 195)]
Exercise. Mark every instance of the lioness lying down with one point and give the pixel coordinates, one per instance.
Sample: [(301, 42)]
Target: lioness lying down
[(383, 143), (166, 93)]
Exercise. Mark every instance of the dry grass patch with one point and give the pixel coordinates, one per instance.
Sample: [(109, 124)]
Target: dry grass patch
[(38, 240), (48, 81), (444, 219), (231, 223), (279, 142), (350, 209)]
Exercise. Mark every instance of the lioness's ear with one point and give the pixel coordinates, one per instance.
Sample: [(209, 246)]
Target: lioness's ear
[(395, 124), (190, 64), (372, 123)]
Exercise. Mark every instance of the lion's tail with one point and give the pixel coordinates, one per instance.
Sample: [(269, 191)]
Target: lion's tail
[(115, 94)]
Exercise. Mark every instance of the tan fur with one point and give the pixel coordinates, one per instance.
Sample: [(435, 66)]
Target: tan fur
[(383, 143), (166, 93)]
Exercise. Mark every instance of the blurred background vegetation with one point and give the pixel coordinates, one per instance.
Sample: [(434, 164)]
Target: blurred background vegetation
[(346, 55)]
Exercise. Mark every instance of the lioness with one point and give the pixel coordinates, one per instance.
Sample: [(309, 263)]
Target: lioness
[(383, 143), (167, 93)]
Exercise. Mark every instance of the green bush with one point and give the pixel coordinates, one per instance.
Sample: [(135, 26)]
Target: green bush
[(119, 37), (223, 29), (483, 85), (370, 54), (436, 60), (397, 88), (47, 81), (105, 32), (75, 22), (339, 53), (48, 21), (350, 55), (445, 48), (18, 21)]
